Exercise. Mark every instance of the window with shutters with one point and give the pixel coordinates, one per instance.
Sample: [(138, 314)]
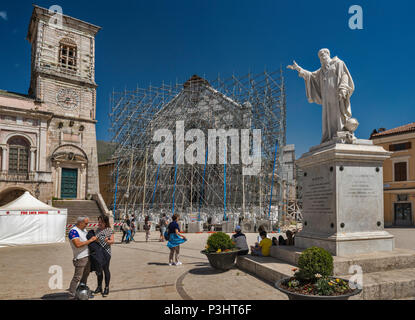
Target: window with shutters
[(400, 171), (18, 155), (400, 146), (67, 55)]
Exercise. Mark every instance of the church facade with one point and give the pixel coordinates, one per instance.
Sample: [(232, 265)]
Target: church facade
[(47, 137)]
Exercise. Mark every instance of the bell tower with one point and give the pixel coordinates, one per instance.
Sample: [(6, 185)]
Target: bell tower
[(63, 63), (63, 80)]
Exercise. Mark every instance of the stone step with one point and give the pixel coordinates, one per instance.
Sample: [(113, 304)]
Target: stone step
[(369, 262), (383, 285), (266, 268), (78, 208), (387, 285)]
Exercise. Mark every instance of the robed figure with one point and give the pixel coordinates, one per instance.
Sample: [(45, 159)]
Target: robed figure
[(331, 86)]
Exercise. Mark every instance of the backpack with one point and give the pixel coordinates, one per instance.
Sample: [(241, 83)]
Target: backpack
[(167, 235)]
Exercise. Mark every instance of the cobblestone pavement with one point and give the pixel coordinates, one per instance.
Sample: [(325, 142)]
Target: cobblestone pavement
[(139, 270)]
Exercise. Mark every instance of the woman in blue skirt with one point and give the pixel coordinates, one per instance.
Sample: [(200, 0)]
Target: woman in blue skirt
[(175, 240)]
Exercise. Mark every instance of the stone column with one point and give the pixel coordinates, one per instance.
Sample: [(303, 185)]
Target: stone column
[(43, 148), (32, 160), (58, 179), (4, 158), (82, 185)]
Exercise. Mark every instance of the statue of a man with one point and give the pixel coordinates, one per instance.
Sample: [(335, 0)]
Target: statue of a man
[(331, 86)]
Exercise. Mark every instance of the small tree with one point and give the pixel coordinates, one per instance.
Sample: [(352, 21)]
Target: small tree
[(219, 240), (314, 261)]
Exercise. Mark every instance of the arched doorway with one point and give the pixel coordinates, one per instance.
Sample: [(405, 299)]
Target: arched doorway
[(70, 179), (9, 195)]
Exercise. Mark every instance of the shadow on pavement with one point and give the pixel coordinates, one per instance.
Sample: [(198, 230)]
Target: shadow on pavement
[(200, 264), (56, 296), (158, 263), (205, 271), (138, 241)]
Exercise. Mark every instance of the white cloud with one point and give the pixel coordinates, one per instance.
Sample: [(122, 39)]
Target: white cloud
[(3, 14)]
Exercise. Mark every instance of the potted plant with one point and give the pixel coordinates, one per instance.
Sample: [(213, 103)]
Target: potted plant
[(220, 251), (313, 280)]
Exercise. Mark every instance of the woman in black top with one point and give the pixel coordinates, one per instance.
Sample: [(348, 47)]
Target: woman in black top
[(105, 237)]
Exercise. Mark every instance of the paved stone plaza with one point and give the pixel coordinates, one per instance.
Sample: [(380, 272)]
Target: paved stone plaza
[(140, 271)]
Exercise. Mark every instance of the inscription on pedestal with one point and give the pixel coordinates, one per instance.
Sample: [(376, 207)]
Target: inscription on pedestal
[(318, 195), (361, 186)]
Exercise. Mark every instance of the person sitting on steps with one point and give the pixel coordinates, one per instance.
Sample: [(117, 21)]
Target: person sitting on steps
[(263, 248)]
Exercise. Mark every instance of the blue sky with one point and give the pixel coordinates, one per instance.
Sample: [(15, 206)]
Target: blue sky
[(152, 41)]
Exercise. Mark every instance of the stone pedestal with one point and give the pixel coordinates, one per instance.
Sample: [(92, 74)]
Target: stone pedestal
[(228, 226), (182, 226), (343, 199), (247, 226), (194, 227), (266, 224), (140, 226)]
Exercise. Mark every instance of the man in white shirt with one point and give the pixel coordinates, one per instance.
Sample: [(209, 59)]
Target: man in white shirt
[(79, 244)]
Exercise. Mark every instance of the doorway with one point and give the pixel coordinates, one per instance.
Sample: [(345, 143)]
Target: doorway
[(69, 183), (403, 214)]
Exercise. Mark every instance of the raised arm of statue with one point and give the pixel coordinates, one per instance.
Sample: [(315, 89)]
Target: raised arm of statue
[(301, 71)]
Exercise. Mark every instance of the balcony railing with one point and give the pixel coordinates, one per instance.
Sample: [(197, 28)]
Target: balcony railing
[(26, 177)]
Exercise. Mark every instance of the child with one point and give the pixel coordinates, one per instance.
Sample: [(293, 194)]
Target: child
[(263, 248)]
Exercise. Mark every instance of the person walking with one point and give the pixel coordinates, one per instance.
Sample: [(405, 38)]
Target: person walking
[(175, 240), (147, 227), (126, 227), (133, 227), (124, 233), (163, 226), (105, 236), (79, 244)]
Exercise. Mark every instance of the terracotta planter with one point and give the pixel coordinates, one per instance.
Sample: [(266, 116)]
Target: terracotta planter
[(221, 261), (297, 296)]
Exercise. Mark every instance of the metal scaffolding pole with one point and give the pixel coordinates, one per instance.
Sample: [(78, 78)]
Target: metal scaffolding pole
[(251, 101)]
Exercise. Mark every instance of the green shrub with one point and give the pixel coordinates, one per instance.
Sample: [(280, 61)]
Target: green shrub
[(220, 241), (314, 261)]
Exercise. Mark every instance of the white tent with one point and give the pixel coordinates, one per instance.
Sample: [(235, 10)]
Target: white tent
[(27, 220)]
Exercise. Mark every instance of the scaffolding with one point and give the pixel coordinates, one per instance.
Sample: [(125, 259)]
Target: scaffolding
[(204, 191)]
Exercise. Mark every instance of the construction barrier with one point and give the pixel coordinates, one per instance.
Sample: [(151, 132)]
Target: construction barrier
[(91, 225)]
